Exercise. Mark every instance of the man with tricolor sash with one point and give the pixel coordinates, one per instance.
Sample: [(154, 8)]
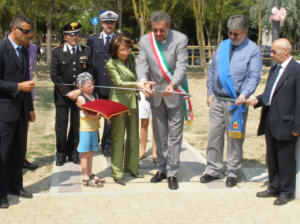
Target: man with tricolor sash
[(164, 55), (232, 77)]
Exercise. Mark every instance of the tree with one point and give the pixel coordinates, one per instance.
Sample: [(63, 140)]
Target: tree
[(49, 29), (199, 12), (141, 13), (289, 28), (259, 3)]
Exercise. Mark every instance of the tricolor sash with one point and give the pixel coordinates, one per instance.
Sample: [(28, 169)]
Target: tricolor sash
[(236, 129), (167, 73)]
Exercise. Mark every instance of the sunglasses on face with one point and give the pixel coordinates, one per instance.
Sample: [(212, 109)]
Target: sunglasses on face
[(109, 22), (24, 30), (159, 30), (234, 34), (274, 51)]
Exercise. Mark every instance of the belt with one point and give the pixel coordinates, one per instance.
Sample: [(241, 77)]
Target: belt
[(224, 98)]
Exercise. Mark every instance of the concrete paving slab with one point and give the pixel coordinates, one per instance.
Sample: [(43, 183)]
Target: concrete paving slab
[(66, 178)]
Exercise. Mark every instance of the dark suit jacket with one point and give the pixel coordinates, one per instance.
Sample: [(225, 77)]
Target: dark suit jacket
[(13, 102), (284, 112), (65, 68), (100, 58)]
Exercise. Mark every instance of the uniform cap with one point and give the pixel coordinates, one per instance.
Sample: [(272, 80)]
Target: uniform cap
[(72, 28), (108, 16)]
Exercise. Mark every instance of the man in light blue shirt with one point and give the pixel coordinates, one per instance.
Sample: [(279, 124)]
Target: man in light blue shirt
[(245, 63)]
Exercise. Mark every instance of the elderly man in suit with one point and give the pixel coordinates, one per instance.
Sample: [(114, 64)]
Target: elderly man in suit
[(99, 45), (280, 122), (160, 49), (16, 108)]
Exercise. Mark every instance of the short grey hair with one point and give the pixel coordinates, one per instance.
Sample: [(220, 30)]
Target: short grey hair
[(18, 19), (237, 22), (160, 16)]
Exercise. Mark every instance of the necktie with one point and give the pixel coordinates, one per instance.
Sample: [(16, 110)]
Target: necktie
[(74, 53), (270, 84), (107, 41), (22, 58)]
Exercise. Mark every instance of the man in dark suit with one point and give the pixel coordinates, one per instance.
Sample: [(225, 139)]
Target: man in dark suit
[(280, 122), (99, 45), (16, 108), (68, 60)]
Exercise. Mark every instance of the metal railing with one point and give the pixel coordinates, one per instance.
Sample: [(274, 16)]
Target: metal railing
[(194, 53)]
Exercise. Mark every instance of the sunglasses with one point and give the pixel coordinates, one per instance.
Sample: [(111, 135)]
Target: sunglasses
[(234, 34), (159, 30), (109, 22), (23, 30), (274, 51)]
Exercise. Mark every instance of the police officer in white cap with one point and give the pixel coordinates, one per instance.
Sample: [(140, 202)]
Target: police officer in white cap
[(99, 43)]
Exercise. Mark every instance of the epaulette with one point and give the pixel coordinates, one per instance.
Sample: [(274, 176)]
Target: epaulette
[(85, 46), (94, 34), (59, 46)]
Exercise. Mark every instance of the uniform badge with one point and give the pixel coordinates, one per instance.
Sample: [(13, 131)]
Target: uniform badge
[(74, 25), (235, 125)]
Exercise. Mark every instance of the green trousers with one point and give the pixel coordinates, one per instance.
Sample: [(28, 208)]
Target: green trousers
[(125, 158)]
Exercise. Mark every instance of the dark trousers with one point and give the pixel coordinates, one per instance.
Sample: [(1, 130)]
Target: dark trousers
[(106, 139), (12, 154), (281, 161), (67, 140)]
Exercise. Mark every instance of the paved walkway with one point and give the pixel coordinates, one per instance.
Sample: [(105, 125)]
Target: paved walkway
[(143, 202)]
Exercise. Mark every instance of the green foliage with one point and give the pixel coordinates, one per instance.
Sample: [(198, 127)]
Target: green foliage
[(289, 28), (181, 12)]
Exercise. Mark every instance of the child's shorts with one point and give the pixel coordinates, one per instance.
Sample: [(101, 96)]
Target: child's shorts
[(88, 141)]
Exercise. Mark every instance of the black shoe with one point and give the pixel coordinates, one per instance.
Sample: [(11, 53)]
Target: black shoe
[(60, 161), (206, 178), (231, 181), (24, 194), (29, 166), (282, 200), (106, 151), (4, 202), (172, 183), (120, 181), (158, 177), (266, 194), (75, 158)]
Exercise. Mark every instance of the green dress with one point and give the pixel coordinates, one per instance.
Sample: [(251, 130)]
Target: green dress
[(124, 158)]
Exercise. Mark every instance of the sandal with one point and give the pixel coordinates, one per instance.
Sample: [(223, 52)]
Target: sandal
[(97, 178), (91, 183), (142, 157), (154, 159)]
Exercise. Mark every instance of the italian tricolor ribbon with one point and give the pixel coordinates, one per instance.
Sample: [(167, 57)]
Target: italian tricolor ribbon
[(167, 73)]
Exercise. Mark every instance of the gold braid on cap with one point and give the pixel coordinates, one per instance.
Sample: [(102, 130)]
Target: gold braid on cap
[(74, 25)]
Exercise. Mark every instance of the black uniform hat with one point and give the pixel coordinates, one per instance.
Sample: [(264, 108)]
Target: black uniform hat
[(72, 28)]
